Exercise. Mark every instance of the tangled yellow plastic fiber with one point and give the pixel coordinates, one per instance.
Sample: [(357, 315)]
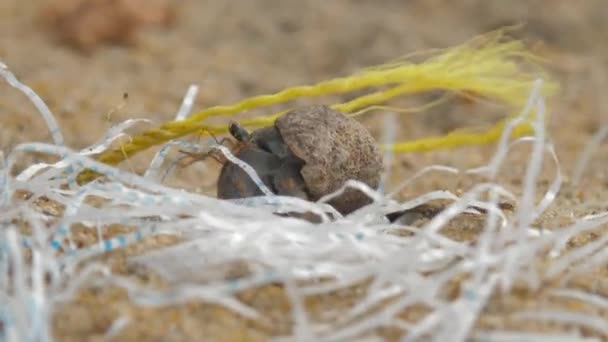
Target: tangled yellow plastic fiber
[(491, 66)]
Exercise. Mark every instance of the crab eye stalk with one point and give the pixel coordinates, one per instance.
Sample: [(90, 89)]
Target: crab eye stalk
[(238, 131)]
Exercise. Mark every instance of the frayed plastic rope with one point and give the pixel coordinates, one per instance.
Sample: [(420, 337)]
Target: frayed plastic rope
[(489, 66), (182, 113), (587, 153)]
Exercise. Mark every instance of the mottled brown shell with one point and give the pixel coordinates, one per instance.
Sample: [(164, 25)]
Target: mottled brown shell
[(334, 148)]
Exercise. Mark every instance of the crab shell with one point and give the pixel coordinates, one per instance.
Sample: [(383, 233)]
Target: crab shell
[(310, 152)]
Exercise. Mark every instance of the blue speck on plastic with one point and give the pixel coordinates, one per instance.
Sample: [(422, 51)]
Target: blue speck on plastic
[(56, 244), (107, 245)]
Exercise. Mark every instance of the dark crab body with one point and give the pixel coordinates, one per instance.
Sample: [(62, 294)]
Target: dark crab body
[(308, 153), (265, 152)]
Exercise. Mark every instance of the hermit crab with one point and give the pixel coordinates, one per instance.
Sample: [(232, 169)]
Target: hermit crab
[(308, 153)]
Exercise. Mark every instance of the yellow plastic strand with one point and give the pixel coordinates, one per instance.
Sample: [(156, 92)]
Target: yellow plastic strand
[(417, 109), (458, 139), (489, 66)]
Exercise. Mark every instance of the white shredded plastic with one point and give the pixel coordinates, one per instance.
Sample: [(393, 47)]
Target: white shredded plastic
[(403, 271), (516, 336), (118, 325), (579, 319), (591, 298), (587, 153), (183, 112), (390, 132), (43, 109)]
